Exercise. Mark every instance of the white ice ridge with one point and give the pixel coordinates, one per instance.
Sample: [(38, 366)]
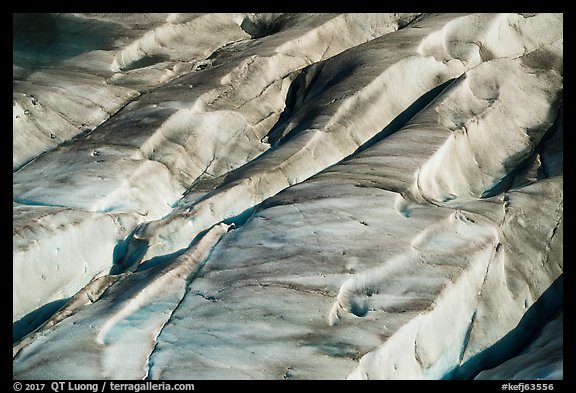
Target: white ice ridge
[(134, 308), (57, 251), (497, 115), (155, 138), (346, 109), (395, 184), (141, 161)]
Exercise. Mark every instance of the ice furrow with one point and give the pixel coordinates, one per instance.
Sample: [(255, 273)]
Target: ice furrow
[(328, 138), (269, 67), (149, 362), (144, 300), (45, 238), (87, 295), (181, 268), (439, 187), (395, 181)]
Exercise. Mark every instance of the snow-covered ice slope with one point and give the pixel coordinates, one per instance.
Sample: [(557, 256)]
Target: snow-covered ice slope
[(299, 196)]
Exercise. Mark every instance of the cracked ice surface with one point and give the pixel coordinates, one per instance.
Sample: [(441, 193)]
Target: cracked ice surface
[(298, 196)]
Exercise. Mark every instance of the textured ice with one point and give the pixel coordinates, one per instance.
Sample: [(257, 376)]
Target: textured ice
[(288, 196)]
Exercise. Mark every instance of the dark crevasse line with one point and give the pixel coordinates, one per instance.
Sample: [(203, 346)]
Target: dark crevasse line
[(149, 361), (305, 88), (33, 320), (137, 247), (407, 23), (133, 248), (265, 23), (543, 357), (257, 185), (28, 202), (67, 307), (82, 134), (302, 89), (405, 116), (512, 343), (142, 287), (466, 340), (145, 61), (547, 147), (395, 124), (189, 279), (551, 149), (89, 131), (241, 175)]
